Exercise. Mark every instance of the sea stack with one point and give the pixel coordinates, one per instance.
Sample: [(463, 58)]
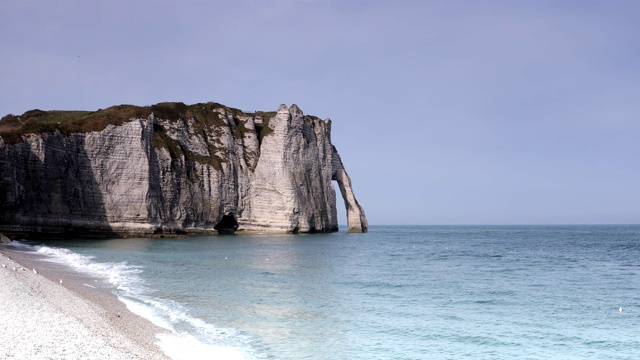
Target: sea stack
[(170, 169)]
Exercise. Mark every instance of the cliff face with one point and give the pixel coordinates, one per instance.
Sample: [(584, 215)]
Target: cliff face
[(193, 169)]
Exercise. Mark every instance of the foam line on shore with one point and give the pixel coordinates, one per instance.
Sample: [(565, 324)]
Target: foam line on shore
[(43, 318), (167, 318)]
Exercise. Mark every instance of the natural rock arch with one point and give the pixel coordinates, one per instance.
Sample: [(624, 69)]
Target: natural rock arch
[(356, 219)]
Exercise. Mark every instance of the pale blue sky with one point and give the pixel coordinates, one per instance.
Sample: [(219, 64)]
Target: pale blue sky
[(444, 112)]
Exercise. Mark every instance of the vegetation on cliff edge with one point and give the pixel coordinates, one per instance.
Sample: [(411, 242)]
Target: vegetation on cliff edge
[(14, 127)]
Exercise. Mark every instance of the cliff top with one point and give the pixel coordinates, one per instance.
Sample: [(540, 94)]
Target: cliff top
[(13, 127)]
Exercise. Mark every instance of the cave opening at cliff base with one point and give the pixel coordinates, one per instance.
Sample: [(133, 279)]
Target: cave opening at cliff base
[(227, 225)]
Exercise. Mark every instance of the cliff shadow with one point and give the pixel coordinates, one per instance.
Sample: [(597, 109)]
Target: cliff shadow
[(55, 192), (154, 197)]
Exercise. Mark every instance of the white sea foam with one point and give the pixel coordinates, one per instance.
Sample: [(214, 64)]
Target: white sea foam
[(179, 346), (146, 312), (168, 314), (122, 275), (189, 343)]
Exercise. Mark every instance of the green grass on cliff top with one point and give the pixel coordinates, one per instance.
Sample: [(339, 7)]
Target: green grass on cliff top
[(14, 127)]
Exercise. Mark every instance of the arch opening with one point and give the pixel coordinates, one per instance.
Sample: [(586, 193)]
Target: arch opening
[(341, 206)]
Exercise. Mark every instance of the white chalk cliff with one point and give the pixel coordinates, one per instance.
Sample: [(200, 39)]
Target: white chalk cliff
[(185, 170)]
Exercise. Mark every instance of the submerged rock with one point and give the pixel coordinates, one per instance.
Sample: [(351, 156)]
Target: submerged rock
[(4, 240), (170, 169)]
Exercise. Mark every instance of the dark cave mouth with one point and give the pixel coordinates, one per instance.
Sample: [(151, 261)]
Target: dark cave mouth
[(227, 225)]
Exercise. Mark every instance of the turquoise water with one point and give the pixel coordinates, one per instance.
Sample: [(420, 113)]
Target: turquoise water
[(397, 292)]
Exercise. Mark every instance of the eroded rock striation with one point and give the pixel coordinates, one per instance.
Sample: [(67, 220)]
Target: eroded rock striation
[(170, 169)]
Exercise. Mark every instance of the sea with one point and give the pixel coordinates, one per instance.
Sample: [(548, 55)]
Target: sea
[(396, 292)]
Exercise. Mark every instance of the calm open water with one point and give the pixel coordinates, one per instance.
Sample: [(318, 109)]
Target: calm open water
[(397, 292)]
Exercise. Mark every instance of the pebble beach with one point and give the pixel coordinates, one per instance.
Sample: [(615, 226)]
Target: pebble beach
[(45, 313)]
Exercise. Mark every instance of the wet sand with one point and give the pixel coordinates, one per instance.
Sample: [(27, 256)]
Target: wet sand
[(56, 313)]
